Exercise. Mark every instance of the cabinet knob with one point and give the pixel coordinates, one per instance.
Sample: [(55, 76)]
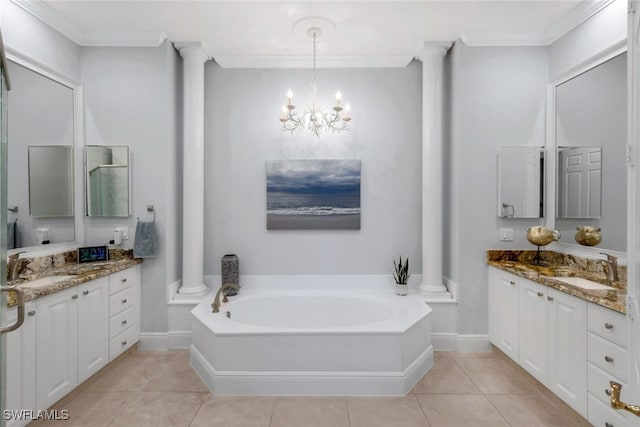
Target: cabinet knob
[(549, 298), (540, 294), (608, 425), (608, 325), (124, 301), (512, 282), (608, 359), (85, 293), (31, 313), (74, 297), (607, 392), (124, 280), (124, 343), (124, 322)]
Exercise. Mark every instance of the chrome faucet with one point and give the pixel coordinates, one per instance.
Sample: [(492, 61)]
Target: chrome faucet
[(14, 266), (612, 270), (224, 288)]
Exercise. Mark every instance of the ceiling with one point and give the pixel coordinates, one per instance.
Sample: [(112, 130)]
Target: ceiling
[(241, 33)]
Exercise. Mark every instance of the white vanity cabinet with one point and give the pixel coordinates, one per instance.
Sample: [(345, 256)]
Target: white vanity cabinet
[(124, 310), (21, 364), (57, 346), (503, 311), (550, 332), (607, 361), (93, 327)]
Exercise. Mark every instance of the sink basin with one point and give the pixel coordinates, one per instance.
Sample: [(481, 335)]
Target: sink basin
[(579, 282), (46, 281)]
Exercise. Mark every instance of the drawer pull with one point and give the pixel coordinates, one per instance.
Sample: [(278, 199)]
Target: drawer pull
[(124, 322), (74, 297), (124, 301), (608, 359), (512, 282), (124, 343), (608, 326), (608, 425), (540, 294), (31, 313), (124, 280), (85, 293), (607, 392), (549, 298)]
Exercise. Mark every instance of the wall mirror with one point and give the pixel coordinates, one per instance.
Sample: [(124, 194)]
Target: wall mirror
[(107, 180), (41, 134), (590, 133), (51, 181), (521, 182)]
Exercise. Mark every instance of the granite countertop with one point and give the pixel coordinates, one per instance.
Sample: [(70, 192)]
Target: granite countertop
[(521, 264), (84, 272)]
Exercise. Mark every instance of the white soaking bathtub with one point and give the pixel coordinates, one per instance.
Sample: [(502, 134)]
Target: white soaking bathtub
[(310, 342)]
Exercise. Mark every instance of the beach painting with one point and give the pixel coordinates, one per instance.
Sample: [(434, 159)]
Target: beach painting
[(313, 194)]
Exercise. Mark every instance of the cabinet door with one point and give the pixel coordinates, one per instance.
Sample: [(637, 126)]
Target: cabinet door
[(568, 349), (93, 327), (503, 311), (57, 343), (533, 329), (21, 364)]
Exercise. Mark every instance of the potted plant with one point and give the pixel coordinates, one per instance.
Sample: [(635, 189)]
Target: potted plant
[(401, 276)]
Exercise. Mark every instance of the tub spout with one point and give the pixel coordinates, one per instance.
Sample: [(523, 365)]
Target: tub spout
[(223, 290)]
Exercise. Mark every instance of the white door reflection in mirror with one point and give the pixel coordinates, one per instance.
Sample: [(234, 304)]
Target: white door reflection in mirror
[(521, 182), (579, 182), (107, 180)]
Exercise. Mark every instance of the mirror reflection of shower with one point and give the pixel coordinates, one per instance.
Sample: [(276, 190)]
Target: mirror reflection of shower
[(107, 180)]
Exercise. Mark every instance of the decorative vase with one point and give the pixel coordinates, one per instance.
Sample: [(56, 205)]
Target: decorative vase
[(230, 267), (402, 289)]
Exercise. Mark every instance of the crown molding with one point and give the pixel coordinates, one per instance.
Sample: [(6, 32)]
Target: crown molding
[(72, 31), (576, 16), (254, 61)]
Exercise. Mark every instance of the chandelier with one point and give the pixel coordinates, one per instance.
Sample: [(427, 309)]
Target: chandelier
[(313, 119)]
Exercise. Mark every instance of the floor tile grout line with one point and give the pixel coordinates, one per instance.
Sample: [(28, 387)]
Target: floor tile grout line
[(487, 396), (468, 376), (193, 417)]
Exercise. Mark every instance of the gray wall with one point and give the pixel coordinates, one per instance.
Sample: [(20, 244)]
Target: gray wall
[(242, 131), (498, 98), (130, 99)]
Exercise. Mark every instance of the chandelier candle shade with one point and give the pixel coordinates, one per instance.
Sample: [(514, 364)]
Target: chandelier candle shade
[(314, 119)]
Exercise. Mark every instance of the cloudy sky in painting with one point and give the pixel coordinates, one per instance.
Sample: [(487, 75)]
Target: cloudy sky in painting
[(313, 176)]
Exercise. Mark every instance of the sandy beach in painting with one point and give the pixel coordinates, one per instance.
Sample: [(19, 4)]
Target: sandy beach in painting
[(294, 222)]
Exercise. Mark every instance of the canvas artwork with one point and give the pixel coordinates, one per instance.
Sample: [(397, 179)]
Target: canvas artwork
[(313, 195)]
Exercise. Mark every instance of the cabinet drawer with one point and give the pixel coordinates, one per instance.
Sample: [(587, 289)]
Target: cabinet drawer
[(121, 280), (601, 415), (123, 321), (608, 356), (122, 342), (121, 301), (608, 324), (598, 381)]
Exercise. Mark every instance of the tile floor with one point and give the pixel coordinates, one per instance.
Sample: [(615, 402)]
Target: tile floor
[(466, 390)]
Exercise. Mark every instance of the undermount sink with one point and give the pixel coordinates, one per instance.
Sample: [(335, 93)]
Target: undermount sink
[(579, 282), (46, 281)]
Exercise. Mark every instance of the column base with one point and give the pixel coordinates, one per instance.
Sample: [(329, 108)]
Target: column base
[(434, 292), (191, 293)]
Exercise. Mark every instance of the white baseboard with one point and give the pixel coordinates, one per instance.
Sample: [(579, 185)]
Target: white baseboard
[(164, 341), (447, 341)]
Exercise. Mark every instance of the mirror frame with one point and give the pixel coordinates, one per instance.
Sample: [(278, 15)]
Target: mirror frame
[(78, 152), (551, 151)]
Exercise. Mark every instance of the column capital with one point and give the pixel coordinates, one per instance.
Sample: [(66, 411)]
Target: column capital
[(433, 50), (192, 50)]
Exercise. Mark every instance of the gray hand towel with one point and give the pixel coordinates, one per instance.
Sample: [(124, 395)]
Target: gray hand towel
[(145, 245)]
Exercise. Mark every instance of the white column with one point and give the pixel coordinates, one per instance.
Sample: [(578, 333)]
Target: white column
[(432, 57), (193, 287)]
